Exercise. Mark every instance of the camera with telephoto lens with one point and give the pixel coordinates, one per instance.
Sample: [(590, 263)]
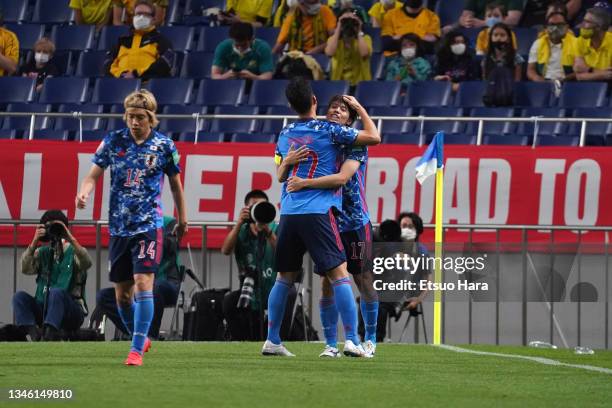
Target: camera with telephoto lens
[(262, 212), (349, 27), (53, 231), (247, 289), (388, 231)]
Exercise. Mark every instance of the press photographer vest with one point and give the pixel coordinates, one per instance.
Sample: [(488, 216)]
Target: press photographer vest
[(61, 272)]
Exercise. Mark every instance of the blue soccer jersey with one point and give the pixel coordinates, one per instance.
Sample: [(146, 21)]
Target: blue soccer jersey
[(325, 141), (137, 175), (354, 213)]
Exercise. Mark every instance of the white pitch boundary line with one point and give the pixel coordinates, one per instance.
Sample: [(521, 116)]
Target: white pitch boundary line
[(541, 360)]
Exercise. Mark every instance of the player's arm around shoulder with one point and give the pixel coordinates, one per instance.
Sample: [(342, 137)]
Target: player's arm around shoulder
[(369, 136), (333, 181), (293, 156)]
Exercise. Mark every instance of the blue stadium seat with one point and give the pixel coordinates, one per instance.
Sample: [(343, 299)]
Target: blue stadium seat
[(22, 123), (268, 93), (234, 125), (117, 122), (91, 64), (324, 90), (253, 138), (16, 89), (276, 125), (197, 65), (511, 140), (195, 7), (471, 34), (323, 61), (544, 128), (449, 11), (210, 37), (176, 126), (171, 91), (525, 36), (173, 13), (8, 134), (64, 90), (73, 38), (596, 132), (220, 92), (203, 137), (460, 139), (583, 95), (14, 11), (533, 94), (393, 126), (492, 127), (432, 126), (180, 37), (400, 138), (268, 34), (27, 34), (550, 140), (109, 36), (72, 124), (109, 91), (50, 134), (49, 12), (374, 33), (428, 93), (92, 135), (377, 65), (376, 93), (470, 94)]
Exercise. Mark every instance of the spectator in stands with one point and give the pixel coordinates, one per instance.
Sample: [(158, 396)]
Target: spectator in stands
[(455, 60), (284, 7), (256, 12), (350, 50), (307, 28), (412, 18), (124, 11), (535, 12), (9, 50), (593, 60), (495, 13), (412, 229), (551, 57), (41, 65), (501, 53), (409, 66), (63, 266), (588, 4), (341, 6), (242, 55), (96, 13), (473, 15), (243, 308), (145, 53), (379, 9)]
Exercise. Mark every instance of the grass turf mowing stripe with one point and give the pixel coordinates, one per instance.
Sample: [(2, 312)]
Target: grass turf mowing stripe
[(540, 360)]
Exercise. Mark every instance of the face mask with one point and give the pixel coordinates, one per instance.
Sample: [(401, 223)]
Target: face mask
[(458, 49), (408, 53), (414, 4), (555, 33), (491, 21), (241, 53), (586, 33), (346, 3), (41, 58), (387, 3), (292, 3), (500, 45), (142, 22), (408, 234), (312, 9)]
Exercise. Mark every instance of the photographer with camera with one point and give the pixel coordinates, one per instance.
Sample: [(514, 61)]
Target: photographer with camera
[(350, 50), (61, 272), (253, 241)]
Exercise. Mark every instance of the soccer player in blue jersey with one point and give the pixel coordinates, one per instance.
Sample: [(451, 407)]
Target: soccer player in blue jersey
[(138, 157), (355, 229), (311, 148)]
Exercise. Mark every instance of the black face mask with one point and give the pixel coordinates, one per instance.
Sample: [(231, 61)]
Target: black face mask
[(415, 4), (500, 45)]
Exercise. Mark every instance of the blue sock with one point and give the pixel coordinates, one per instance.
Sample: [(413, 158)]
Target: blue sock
[(345, 302), (329, 320), (127, 316), (143, 314), (369, 311), (276, 309)]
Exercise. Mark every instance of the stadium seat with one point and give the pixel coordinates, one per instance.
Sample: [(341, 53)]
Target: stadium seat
[(525, 36), (180, 37), (550, 140), (116, 122), (234, 125), (171, 91), (276, 125), (91, 64), (400, 138), (203, 137), (596, 132), (109, 36), (393, 126), (72, 124), (471, 34), (8, 134), (511, 140), (268, 34), (324, 90), (533, 94), (175, 126), (92, 135), (50, 134), (173, 13), (377, 65), (16, 89), (583, 95), (210, 37), (428, 93), (220, 92), (64, 90), (27, 34), (448, 11), (14, 11), (268, 93), (253, 137), (197, 65), (432, 126), (374, 33), (460, 138), (48, 12), (376, 93), (544, 128), (109, 91), (491, 127), (195, 7), (323, 61), (73, 38), (470, 94), (22, 123)]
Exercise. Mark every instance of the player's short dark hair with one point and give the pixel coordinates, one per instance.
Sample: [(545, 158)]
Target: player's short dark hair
[(416, 221), (255, 194), (241, 31), (299, 95), (54, 215), (340, 99)]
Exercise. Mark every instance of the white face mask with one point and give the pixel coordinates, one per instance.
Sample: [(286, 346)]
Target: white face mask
[(408, 53), (387, 3), (141, 22), (458, 49), (409, 234), (313, 9), (241, 53), (41, 58), (292, 3), (346, 3)]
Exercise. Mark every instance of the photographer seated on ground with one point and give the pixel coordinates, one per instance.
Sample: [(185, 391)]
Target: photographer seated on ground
[(61, 267), (253, 245), (165, 288)]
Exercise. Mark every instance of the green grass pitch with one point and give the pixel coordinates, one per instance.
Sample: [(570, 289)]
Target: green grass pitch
[(186, 374)]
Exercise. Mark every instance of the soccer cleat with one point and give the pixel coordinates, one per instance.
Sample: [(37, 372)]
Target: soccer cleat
[(352, 350), (370, 348), (330, 351), (147, 345), (271, 349), (134, 359)]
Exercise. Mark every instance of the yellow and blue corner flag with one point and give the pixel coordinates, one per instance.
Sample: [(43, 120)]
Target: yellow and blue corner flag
[(432, 159)]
